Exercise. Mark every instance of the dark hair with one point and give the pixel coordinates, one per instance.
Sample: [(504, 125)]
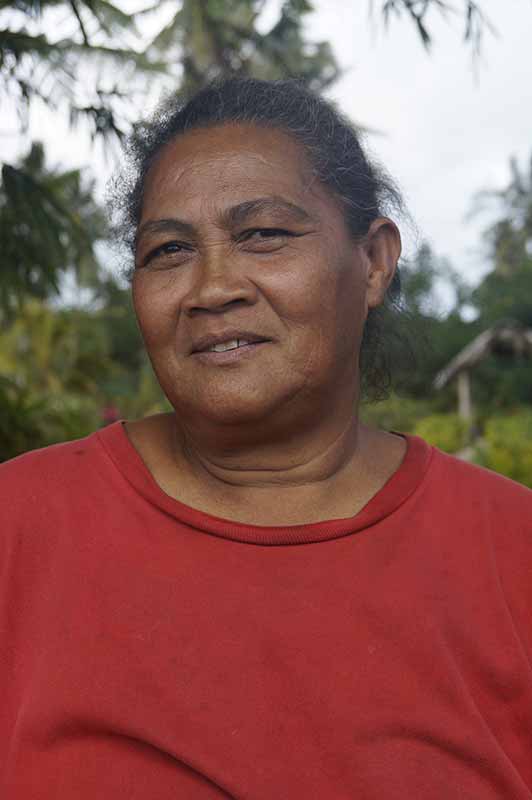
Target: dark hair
[(334, 151)]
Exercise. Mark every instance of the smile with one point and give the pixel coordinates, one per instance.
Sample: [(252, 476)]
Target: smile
[(226, 341), (232, 344), (230, 352)]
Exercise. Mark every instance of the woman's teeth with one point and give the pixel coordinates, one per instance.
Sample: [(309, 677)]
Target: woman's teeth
[(223, 346)]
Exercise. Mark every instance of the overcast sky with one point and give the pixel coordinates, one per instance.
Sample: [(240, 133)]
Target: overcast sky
[(447, 130)]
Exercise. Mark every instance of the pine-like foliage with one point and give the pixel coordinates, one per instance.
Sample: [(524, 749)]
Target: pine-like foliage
[(475, 20), (211, 38), (85, 68), (49, 223), (505, 293)]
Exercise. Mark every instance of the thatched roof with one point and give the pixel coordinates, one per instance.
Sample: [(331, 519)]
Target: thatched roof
[(506, 338)]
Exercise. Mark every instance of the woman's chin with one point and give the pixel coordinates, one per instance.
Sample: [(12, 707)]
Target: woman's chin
[(230, 408)]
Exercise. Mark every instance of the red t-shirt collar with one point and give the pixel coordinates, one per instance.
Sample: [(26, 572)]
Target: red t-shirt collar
[(393, 494)]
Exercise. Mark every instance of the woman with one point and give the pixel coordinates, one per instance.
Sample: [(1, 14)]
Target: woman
[(256, 596)]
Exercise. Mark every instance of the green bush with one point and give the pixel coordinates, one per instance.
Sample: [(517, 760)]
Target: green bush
[(29, 420), (395, 413), (507, 446), (448, 432), (20, 418)]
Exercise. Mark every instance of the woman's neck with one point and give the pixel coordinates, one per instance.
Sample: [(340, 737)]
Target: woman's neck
[(304, 479)]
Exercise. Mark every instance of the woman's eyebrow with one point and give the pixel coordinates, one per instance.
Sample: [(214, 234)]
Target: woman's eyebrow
[(237, 215), (169, 225), (241, 213)]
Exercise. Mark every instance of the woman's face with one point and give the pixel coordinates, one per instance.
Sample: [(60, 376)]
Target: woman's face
[(250, 294)]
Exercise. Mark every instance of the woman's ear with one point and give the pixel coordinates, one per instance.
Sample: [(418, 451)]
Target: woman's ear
[(383, 248)]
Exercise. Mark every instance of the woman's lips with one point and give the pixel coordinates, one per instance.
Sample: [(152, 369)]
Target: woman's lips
[(233, 356), (227, 337)]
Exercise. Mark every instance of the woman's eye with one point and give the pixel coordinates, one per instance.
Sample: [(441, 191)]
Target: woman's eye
[(265, 238), (265, 233), (170, 251)]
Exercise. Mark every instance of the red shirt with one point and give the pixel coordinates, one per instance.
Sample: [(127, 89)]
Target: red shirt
[(149, 650)]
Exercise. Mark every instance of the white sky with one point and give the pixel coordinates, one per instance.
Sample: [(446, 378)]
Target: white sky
[(447, 130)]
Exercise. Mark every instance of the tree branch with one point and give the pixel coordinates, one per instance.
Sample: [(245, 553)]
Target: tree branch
[(74, 8)]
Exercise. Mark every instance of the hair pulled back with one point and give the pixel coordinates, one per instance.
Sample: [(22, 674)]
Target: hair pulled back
[(333, 149)]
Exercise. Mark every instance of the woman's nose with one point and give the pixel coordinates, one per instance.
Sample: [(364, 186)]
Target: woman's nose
[(219, 283)]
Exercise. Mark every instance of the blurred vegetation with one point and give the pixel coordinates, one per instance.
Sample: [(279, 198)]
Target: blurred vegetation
[(449, 432), (67, 369), (49, 224), (507, 446)]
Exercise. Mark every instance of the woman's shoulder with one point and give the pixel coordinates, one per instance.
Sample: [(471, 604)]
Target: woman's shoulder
[(463, 480), (39, 470)]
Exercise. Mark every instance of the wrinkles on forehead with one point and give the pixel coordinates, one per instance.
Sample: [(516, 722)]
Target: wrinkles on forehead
[(230, 153), (201, 177)]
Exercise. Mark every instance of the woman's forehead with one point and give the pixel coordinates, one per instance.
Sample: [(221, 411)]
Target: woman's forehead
[(229, 165), (230, 154)]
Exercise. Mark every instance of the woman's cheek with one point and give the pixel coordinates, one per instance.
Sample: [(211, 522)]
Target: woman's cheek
[(155, 296)]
